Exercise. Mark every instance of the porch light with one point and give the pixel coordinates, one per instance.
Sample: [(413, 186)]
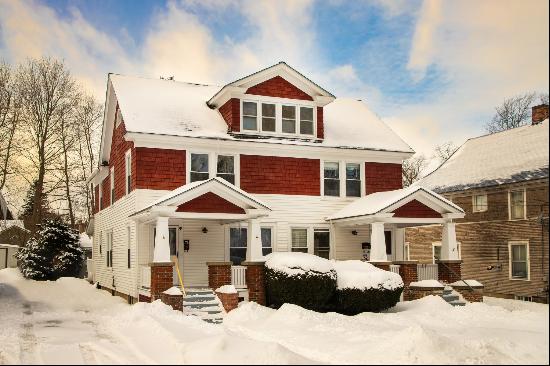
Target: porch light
[(204, 230), (354, 232)]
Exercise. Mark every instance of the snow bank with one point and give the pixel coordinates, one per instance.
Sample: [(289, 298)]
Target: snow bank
[(472, 283), (227, 289), (360, 275), (85, 241), (427, 283), (294, 263), (174, 291)]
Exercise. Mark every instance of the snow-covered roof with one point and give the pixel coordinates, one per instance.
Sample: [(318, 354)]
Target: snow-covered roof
[(6, 224), (519, 154), (383, 202), (167, 107)]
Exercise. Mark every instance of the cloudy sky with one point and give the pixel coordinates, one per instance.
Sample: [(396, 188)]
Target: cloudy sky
[(433, 70)]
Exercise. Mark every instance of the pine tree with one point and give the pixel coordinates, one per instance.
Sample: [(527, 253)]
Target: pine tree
[(27, 209), (51, 253)]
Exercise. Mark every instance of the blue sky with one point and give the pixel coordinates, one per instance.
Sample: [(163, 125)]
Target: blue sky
[(434, 70)]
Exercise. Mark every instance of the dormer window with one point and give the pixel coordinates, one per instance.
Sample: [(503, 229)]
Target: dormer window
[(269, 117)]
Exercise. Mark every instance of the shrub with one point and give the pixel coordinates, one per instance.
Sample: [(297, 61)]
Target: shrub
[(354, 301), (299, 278)]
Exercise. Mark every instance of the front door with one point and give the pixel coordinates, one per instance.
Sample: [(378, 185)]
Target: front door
[(173, 239)]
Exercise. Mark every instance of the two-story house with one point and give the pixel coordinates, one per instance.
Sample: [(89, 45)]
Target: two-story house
[(205, 175), (501, 182)]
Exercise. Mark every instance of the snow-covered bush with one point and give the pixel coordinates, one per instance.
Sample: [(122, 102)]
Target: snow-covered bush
[(364, 287), (51, 253), (299, 278)]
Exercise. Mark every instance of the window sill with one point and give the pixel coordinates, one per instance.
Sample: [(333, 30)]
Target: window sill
[(520, 279)]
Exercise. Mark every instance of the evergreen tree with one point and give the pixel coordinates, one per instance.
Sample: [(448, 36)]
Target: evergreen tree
[(27, 209), (51, 253)]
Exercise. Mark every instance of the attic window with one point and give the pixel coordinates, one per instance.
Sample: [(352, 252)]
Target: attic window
[(250, 116), (289, 119)]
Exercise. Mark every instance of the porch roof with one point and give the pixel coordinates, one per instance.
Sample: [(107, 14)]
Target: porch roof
[(218, 186), (383, 204)]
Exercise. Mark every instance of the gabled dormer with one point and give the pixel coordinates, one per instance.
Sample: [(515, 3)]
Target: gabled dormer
[(275, 102)]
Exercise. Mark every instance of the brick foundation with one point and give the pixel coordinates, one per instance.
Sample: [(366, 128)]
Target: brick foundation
[(143, 298), (255, 281), (175, 301), (382, 265), (471, 296), (219, 274), (416, 293), (161, 278), (229, 301), (445, 274), (408, 270)]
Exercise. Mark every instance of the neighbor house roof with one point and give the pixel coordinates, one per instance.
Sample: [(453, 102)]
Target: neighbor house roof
[(167, 107), (6, 224), (515, 155)]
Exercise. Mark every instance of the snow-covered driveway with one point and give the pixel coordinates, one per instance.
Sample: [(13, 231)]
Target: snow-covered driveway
[(69, 321)]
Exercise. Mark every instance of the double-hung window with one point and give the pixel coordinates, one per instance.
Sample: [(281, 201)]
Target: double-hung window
[(517, 205), (306, 120), (199, 167), (480, 203), (129, 243), (268, 117), (109, 252), (128, 170), (299, 240), (332, 179), (237, 245), (321, 242), (267, 239), (250, 116), (353, 180), (289, 119), (519, 260), (100, 195), (226, 168), (112, 185)]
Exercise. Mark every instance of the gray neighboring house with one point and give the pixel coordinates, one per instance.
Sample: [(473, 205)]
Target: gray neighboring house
[(13, 235)]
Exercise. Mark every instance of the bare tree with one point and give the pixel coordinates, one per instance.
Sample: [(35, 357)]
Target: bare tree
[(543, 98), (444, 151), (513, 112), (47, 90), (413, 168)]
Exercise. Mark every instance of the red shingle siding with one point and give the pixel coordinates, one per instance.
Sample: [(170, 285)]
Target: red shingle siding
[(159, 168), (415, 209), (230, 112), (117, 159), (381, 177), (320, 123), (210, 203), (278, 175), (278, 87), (106, 188), (96, 199)]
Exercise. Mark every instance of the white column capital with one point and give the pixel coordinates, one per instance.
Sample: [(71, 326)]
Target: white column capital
[(161, 253)]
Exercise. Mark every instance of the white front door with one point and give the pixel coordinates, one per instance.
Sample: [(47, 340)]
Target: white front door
[(175, 250)]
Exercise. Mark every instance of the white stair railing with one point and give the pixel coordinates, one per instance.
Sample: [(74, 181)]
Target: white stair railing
[(394, 268), (238, 276), (427, 272)]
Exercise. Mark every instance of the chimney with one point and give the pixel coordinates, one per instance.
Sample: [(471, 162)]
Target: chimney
[(539, 113)]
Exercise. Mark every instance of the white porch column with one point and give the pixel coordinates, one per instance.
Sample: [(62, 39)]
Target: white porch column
[(399, 244), (254, 242), (449, 249), (377, 243), (162, 245)]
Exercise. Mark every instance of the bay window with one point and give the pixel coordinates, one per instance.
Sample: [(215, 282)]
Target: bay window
[(353, 180), (250, 116), (268, 117), (226, 168), (332, 179), (289, 118), (199, 167), (306, 121)]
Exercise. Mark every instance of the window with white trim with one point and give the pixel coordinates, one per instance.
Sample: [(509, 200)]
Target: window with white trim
[(479, 203), (267, 240), (112, 185), (199, 167), (523, 298), (331, 174), (299, 240), (226, 168), (128, 170), (129, 243), (237, 245), (100, 242), (109, 251), (321, 243), (289, 119), (353, 180), (100, 195), (517, 204), (250, 116), (519, 260), (269, 117), (306, 121)]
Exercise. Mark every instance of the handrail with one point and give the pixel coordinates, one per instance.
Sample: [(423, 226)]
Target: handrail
[(460, 277), (175, 260)]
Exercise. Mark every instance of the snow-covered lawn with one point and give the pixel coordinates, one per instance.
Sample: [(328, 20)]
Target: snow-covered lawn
[(69, 321)]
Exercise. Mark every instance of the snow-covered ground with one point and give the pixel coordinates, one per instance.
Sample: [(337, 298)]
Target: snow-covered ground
[(69, 321)]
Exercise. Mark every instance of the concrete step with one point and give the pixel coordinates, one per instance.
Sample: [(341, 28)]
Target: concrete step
[(199, 305), (450, 297), (457, 303), (198, 298)]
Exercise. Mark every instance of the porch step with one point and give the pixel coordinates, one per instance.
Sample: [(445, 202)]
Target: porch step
[(203, 303), (452, 297)]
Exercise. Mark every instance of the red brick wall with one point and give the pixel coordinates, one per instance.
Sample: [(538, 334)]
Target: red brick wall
[(159, 168), (415, 209), (280, 175), (278, 87), (209, 203), (230, 112), (320, 123), (381, 177)]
